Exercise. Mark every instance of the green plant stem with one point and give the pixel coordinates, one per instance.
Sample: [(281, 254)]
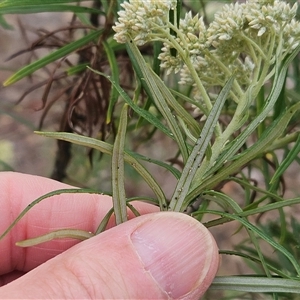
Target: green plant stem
[(226, 71), (252, 45), (262, 73)]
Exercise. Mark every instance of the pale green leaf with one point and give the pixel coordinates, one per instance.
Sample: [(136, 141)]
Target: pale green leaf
[(256, 284), (140, 111), (148, 79), (117, 168), (33, 9), (107, 148), (273, 132), (46, 196), (198, 151), (293, 153)]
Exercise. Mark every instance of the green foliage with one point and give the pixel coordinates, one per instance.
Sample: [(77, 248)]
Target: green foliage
[(236, 112)]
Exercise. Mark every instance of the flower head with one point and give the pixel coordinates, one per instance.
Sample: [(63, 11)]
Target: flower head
[(227, 25), (140, 18), (243, 39), (292, 31), (240, 36), (192, 40), (269, 16)]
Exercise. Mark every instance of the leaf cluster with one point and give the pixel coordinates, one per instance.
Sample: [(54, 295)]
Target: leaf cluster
[(145, 102)]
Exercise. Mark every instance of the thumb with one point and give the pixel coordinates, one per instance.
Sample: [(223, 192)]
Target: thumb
[(162, 255)]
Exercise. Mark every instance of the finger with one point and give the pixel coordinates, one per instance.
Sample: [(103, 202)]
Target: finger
[(78, 211), (163, 255)]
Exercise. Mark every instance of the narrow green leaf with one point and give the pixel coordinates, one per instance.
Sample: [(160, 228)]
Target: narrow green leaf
[(7, 3), (278, 82), (188, 99), (117, 168), (254, 211), (114, 94), (293, 153), (228, 201), (273, 132), (77, 234), (256, 260), (103, 224), (162, 164), (77, 69), (144, 113), (182, 113), (32, 9), (147, 76), (262, 235), (63, 51), (4, 24), (38, 200), (107, 148), (198, 151), (270, 206), (156, 51), (256, 284)]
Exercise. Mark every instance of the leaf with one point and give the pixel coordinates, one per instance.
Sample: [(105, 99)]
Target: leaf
[(274, 131), (293, 153), (262, 235), (140, 111), (56, 234), (36, 2), (256, 260), (38, 200), (7, 3), (77, 69), (256, 284), (107, 148), (114, 95), (254, 211), (4, 24), (148, 78), (198, 151), (279, 80), (104, 221), (32, 9), (182, 113), (162, 164), (117, 167), (62, 52)]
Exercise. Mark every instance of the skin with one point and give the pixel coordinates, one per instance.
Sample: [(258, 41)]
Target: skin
[(159, 255)]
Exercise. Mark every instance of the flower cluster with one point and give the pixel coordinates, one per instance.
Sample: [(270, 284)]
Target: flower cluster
[(269, 16), (191, 39), (243, 38), (140, 18)]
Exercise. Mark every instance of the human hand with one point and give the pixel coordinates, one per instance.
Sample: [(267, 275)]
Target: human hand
[(163, 255)]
